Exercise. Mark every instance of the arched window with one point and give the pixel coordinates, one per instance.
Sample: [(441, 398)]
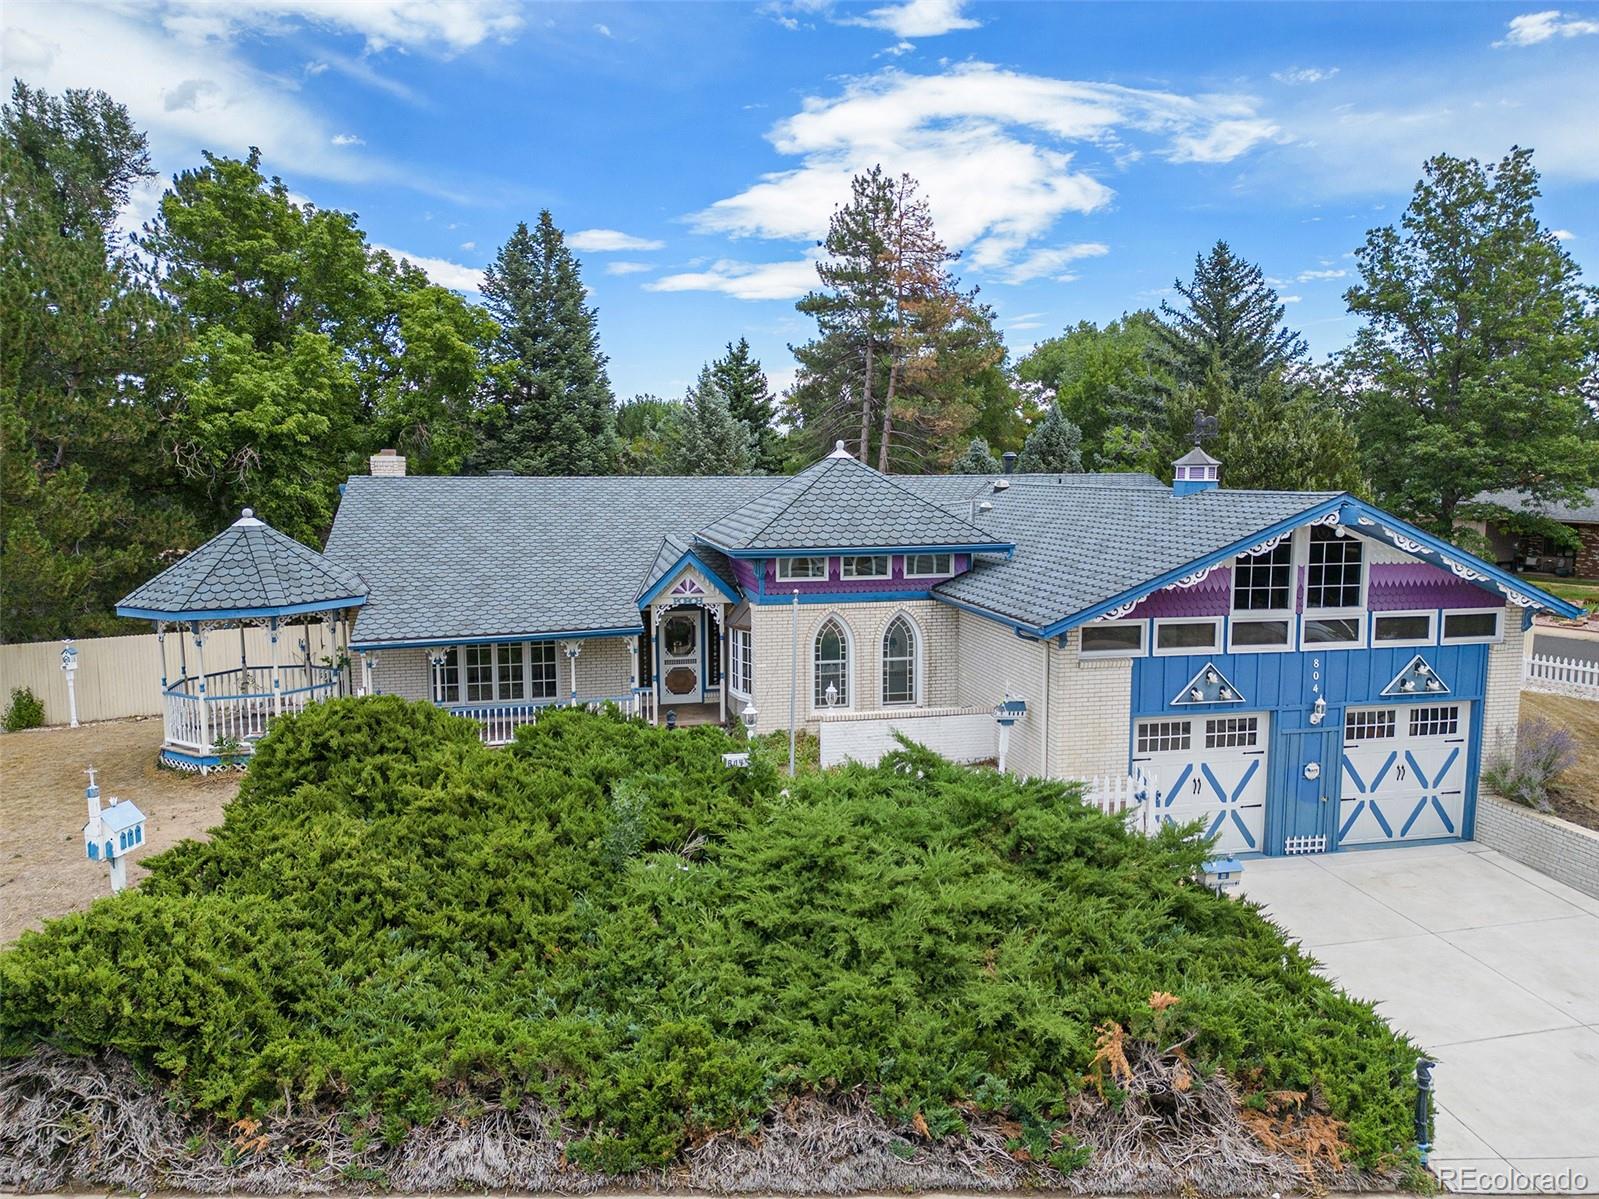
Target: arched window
[(899, 662), (832, 666)]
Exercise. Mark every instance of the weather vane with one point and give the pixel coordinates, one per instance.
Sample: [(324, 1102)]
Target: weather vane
[(1205, 427)]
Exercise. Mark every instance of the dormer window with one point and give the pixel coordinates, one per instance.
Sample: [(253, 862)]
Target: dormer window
[(865, 566), (801, 569)]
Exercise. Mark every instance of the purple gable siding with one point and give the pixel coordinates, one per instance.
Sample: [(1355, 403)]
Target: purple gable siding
[(1395, 586), (744, 573), (1208, 598), (836, 584)]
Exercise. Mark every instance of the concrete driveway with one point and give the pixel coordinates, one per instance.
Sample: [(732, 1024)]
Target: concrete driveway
[(1491, 966)]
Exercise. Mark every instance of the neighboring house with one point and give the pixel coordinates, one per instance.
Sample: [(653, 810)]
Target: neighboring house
[(1531, 551), (1299, 670)]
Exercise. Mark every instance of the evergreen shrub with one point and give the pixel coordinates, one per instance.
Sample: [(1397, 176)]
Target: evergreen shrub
[(398, 922), (25, 712)]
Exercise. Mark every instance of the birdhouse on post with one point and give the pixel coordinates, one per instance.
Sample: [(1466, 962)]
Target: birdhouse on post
[(111, 833), (69, 665)]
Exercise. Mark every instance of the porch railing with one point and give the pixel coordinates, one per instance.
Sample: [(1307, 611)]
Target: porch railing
[(237, 704), (498, 722)]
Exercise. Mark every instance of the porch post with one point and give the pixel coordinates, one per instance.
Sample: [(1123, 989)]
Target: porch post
[(573, 649), (166, 704), (721, 661), (277, 679), (205, 711), (637, 701)]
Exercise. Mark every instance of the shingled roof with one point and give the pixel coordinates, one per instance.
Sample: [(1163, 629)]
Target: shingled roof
[(248, 568), (1078, 544), (674, 549), (842, 504)]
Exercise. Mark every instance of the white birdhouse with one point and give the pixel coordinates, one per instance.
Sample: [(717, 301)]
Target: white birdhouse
[(111, 833)]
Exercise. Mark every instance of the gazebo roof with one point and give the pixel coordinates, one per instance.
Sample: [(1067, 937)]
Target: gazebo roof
[(249, 569)]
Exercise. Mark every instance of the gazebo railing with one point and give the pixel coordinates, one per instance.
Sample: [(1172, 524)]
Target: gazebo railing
[(237, 704)]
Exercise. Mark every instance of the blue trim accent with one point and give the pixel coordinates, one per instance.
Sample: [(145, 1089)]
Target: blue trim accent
[(671, 573), (502, 638), (996, 547), (841, 597), (1190, 486), (353, 601), (1017, 627), (1438, 546)]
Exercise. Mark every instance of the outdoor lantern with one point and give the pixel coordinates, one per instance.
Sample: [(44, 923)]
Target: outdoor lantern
[(748, 715), (1318, 710), (831, 694)]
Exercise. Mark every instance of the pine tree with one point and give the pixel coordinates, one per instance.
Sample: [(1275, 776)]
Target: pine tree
[(977, 460), (1232, 316), (1053, 447), (742, 381), (552, 410), (708, 439)]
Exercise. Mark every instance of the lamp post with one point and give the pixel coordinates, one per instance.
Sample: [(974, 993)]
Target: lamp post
[(69, 665), (793, 676), (749, 716)]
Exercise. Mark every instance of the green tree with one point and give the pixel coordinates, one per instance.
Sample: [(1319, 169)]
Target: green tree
[(741, 380), (310, 349), (708, 439), (89, 503), (645, 428), (1100, 377), (1054, 446), (1479, 342), (1231, 316), (552, 412), (977, 460)]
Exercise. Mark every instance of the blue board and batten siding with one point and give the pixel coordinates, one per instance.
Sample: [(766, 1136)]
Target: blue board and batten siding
[(1286, 686)]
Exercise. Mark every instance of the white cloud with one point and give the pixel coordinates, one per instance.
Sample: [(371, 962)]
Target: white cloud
[(450, 26), (1531, 28), (992, 149), (916, 18), (603, 30), (606, 241), (745, 280), (1562, 234), (1313, 276), (627, 268), (1295, 76), (469, 245), (1291, 299), (1052, 262), (348, 139), (441, 270)]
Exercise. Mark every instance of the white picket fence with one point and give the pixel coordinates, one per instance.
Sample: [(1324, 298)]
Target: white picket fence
[(1132, 796), (1560, 676)]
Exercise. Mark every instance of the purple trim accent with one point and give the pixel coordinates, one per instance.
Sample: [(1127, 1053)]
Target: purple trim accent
[(836, 584), (744, 573), (1398, 586), (1208, 598)]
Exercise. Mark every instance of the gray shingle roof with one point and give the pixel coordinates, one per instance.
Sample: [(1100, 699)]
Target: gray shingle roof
[(673, 547), (249, 565), (1520, 501), (840, 503), (492, 557), (1079, 545)]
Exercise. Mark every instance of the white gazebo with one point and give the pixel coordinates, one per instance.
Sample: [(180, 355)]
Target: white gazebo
[(261, 627)]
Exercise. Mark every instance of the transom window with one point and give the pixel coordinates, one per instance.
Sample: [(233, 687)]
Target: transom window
[(743, 667), (1113, 640), (1332, 576), (1232, 732), (1252, 636), (1406, 628), (1370, 724), (899, 662), (1472, 626), (801, 568), (926, 566), (864, 566), (1186, 636), (1163, 736), (516, 670), (1332, 632), (832, 667), (1435, 722), (1265, 582)]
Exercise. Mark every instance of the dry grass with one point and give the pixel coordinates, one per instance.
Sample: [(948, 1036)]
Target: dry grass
[(1579, 786), (43, 872)]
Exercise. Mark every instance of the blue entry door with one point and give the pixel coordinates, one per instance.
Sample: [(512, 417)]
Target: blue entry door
[(1305, 792)]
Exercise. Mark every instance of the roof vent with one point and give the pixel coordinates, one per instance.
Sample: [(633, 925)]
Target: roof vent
[(387, 463), (1009, 459), (1001, 484)]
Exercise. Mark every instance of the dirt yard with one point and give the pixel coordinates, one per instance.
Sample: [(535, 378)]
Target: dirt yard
[(1579, 787), (43, 871)]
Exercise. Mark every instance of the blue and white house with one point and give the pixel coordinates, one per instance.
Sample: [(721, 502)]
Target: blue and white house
[(1299, 671)]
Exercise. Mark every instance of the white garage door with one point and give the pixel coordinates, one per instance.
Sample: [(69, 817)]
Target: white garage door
[(1404, 771), (1212, 769)]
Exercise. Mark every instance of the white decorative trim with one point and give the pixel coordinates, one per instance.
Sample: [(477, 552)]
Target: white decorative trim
[(1401, 542), (1266, 547), (1303, 845), (1326, 518)]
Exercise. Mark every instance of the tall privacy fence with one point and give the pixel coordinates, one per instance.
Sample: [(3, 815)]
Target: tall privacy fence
[(121, 676)]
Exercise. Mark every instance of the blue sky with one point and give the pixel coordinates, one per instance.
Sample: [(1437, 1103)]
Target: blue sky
[(1078, 155)]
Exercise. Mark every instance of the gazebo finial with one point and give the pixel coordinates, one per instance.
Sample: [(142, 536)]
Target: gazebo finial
[(247, 517)]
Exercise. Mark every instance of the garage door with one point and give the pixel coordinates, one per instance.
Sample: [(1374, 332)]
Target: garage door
[(1404, 771), (1212, 769)]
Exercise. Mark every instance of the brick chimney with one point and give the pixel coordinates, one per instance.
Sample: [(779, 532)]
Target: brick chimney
[(387, 463)]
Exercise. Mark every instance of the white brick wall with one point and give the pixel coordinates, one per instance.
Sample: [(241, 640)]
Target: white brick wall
[(996, 663), (1091, 712), (938, 631), (1556, 847), (1502, 692)]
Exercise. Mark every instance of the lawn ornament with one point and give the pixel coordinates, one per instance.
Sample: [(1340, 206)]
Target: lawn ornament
[(1222, 874), (69, 666), (111, 833), (1006, 713)]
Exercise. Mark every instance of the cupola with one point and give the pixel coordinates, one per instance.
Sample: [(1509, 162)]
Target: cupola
[(1195, 471)]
